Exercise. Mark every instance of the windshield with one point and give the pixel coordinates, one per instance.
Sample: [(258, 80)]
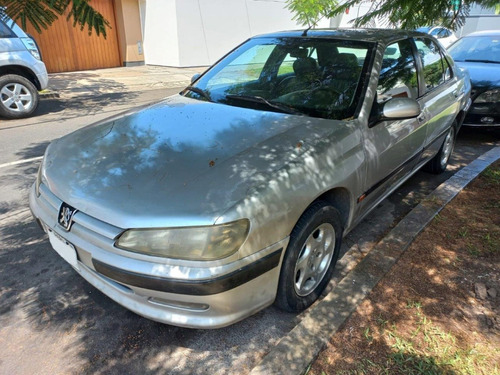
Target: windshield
[(480, 49), (304, 76)]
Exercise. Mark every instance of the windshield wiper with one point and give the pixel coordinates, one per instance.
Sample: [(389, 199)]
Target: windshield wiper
[(199, 92), (483, 61), (259, 99)]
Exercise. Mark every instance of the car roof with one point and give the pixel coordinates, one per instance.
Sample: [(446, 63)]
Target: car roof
[(484, 33), (369, 35)]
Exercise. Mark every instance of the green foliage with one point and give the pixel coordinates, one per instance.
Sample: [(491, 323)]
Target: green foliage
[(309, 12), (405, 14), (492, 175), (42, 13)]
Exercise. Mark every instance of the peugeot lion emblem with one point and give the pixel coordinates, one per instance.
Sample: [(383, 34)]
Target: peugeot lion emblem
[(66, 213)]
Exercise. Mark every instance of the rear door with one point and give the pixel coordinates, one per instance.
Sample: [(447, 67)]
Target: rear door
[(440, 99)]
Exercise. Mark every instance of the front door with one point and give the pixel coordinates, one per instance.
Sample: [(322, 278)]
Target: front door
[(395, 146)]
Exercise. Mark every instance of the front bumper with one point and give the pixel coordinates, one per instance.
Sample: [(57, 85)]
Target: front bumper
[(186, 294), (483, 115)]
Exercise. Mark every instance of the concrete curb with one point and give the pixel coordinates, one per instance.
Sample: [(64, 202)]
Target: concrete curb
[(296, 351)]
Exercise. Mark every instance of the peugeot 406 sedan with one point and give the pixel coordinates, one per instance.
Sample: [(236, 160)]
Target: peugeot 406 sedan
[(204, 208)]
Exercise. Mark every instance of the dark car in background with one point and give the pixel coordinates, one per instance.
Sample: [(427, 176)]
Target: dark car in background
[(479, 53)]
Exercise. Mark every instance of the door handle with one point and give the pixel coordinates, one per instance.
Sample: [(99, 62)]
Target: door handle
[(457, 93)]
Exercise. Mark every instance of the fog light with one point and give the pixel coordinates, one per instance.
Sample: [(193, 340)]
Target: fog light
[(487, 120)]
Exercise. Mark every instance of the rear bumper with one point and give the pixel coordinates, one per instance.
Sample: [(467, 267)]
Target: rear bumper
[(194, 296)]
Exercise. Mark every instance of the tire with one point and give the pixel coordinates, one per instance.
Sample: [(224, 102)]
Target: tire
[(18, 96), (439, 162), (310, 258)]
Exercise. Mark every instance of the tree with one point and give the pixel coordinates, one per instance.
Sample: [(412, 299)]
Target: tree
[(405, 14), (309, 12), (42, 13)]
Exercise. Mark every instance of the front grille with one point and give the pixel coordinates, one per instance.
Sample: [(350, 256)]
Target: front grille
[(88, 228)]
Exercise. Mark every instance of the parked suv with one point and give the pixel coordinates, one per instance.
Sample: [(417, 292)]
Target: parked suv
[(22, 72)]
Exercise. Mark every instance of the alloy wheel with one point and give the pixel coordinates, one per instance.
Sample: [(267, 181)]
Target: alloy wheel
[(16, 97), (447, 147), (314, 259)]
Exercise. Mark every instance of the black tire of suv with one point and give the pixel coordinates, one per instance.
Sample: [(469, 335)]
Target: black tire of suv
[(9, 79), (437, 165), (317, 214)]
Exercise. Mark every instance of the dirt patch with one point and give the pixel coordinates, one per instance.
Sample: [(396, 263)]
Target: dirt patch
[(438, 310)]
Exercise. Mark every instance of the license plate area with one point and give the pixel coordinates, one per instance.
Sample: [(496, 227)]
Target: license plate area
[(64, 248)]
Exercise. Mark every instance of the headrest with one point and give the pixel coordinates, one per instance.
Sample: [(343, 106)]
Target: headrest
[(347, 59), (304, 66), (299, 52)]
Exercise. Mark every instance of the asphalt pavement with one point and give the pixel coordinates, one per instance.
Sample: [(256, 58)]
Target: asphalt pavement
[(52, 321)]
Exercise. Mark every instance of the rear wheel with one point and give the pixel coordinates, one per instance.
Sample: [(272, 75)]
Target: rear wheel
[(310, 257), (439, 162), (18, 96)]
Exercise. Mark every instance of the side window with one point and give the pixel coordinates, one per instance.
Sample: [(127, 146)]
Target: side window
[(441, 33), (398, 76), (5, 31), (432, 61)]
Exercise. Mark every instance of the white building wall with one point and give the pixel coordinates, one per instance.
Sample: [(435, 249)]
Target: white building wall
[(480, 19), (220, 25), (199, 32), (160, 32)]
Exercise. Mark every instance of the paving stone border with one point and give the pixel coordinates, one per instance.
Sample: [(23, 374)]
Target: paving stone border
[(297, 350)]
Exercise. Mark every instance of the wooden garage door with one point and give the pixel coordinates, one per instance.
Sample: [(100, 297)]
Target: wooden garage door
[(67, 48)]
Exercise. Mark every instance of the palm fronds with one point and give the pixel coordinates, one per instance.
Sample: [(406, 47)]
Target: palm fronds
[(42, 13)]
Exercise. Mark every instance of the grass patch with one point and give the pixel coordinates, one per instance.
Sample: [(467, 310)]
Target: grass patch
[(423, 349), (430, 350), (492, 175)]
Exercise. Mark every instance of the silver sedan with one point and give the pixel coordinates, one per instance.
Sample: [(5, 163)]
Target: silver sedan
[(202, 209)]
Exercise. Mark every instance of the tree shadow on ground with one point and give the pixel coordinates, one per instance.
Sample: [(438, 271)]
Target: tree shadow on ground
[(84, 105), (32, 151), (56, 302)]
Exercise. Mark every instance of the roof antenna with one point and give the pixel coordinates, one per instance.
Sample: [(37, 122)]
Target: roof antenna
[(311, 26), (306, 30)]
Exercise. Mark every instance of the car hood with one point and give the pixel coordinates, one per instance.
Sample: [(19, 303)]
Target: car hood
[(482, 75), (179, 162)]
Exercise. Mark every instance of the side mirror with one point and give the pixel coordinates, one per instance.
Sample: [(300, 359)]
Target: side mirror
[(195, 77), (399, 108)]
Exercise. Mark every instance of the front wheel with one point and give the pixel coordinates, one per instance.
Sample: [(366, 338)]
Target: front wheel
[(310, 257), (18, 96), (439, 162)]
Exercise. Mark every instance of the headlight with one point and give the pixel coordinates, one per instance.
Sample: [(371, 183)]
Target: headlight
[(190, 243), (32, 47), (491, 96)]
